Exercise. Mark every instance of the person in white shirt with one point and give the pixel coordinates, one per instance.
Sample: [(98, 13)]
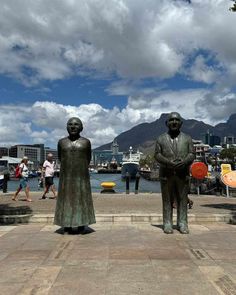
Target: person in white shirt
[(48, 174), (24, 175)]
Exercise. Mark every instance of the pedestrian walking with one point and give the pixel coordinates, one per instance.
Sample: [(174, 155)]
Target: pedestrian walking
[(24, 176), (48, 174)]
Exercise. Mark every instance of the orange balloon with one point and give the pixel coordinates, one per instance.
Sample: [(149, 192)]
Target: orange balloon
[(199, 170)]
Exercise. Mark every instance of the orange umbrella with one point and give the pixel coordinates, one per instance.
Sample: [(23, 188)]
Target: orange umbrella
[(199, 170)]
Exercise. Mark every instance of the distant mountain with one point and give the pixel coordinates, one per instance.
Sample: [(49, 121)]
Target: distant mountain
[(226, 129), (143, 136)]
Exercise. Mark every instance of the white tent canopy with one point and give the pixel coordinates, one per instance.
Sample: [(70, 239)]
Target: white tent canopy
[(14, 161)]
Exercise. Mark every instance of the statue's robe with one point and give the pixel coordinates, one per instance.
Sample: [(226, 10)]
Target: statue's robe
[(74, 203)]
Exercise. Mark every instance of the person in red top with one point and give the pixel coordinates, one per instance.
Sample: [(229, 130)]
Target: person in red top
[(24, 175), (48, 174)]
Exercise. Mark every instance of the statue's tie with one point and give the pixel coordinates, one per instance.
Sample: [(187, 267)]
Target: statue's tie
[(175, 145)]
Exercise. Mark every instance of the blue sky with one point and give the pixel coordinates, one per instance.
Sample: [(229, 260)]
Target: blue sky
[(114, 64), (74, 91)]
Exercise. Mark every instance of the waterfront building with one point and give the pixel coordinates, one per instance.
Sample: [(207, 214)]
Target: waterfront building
[(201, 150), (229, 141), (44, 151), (101, 157), (4, 151), (211, 139), (41, 147), (115, 147), (30, 151), (106, 156), (36, 153)]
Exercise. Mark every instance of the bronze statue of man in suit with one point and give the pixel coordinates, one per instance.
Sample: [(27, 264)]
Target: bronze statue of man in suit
[(174, 153)]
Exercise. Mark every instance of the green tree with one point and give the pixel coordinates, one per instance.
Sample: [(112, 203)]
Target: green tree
[(228, 154)]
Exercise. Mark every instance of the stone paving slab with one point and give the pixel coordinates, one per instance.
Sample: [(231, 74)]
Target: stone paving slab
[(122, 203), (118, 208), (118, 259)]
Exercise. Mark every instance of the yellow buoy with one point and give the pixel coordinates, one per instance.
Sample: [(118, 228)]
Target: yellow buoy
[(108, 184), (108, 187)]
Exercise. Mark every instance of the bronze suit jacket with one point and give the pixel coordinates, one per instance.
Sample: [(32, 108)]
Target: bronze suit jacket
[(165, 153)]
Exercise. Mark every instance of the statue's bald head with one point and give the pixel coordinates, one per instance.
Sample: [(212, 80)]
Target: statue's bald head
[(174, 115), (74, 126), (174, 121)]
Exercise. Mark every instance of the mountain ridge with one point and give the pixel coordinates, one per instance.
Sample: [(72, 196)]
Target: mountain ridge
[(143, 135)]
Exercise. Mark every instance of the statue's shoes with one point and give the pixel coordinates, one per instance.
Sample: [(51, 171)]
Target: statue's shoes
[(168, 230), (68, 230), (81, 229), (184, 230)]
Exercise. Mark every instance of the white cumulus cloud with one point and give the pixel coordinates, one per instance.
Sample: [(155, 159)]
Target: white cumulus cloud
[(45, 121), (129, 41), (51, 40)]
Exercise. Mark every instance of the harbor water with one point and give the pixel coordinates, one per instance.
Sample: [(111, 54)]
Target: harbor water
[(145, 186)]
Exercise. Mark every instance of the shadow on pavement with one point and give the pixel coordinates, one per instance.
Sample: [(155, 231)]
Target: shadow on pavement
[(75, 231), (161, 226), (226, 206)]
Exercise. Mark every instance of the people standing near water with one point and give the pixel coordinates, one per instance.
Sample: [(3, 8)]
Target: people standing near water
[(24, 176), (48, 174)]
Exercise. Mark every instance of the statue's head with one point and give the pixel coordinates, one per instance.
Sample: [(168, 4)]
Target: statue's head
[(174, 122), (74, 126)]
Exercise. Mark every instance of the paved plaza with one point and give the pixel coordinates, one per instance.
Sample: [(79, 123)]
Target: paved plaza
[(118, 259), (122, 203), (114, 208), (126, 252)]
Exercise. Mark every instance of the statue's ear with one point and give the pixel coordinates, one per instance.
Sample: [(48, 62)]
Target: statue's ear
[(167, 123)]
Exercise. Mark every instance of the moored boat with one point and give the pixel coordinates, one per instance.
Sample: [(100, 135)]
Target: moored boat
[(130, 163)]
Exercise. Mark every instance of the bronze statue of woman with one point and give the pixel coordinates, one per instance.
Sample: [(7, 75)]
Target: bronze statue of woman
[(74, 206)]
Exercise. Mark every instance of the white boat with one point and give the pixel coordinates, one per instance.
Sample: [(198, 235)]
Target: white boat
[(130, 163), (93, 170)]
